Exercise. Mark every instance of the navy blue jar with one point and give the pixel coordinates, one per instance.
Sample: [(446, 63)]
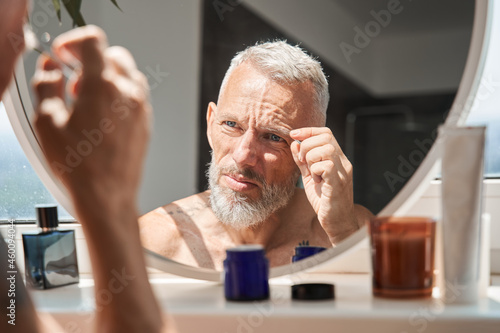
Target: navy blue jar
[(246, 273), (302, 252)]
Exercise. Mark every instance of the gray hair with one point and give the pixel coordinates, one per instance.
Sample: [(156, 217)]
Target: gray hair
[(287, 64)]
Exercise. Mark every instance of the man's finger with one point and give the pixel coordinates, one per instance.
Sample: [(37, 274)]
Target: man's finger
[(122, 61), (51, 113), (307, 132), (304, 133), (73, 84), (322, 170), (84, 45), (302, 165), (48, 81), (318, 154), (322, 140)]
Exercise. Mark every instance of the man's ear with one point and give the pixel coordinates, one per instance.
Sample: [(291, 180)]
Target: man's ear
[(212, 108)]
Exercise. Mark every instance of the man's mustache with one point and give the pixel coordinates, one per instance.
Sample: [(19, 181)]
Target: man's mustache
[(247, 173)]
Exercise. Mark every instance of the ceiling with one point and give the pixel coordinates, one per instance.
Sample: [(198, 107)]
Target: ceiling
[(415, 15)]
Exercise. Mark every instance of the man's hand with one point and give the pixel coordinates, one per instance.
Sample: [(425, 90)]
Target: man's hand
[(327, 177), (96, 144)]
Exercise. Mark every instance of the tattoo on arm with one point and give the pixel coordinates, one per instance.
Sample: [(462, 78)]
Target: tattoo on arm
[(304, 243)]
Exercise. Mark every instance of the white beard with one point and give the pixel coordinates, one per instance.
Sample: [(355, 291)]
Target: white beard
[(239, 211)]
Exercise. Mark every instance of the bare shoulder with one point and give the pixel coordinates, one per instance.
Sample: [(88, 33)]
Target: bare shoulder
[(163, 229), (177, 210)]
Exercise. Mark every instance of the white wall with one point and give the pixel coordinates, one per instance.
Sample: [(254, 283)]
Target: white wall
[(164, 36)]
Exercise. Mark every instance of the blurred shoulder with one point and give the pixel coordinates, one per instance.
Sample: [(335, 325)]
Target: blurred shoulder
[(163, 230), (177, 210)]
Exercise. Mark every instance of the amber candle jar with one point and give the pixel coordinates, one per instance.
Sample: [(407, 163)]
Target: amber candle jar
[(402, 251)]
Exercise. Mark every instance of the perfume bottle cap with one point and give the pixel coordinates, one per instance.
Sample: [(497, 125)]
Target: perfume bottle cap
[(46, 216)]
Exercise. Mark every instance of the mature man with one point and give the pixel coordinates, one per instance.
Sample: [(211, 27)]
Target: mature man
[(266, 131)]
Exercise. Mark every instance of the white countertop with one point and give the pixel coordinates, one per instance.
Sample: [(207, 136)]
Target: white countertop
[(199, 306)]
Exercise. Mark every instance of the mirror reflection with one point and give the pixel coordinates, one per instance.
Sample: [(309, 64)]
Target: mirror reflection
[(393, 68), (393, 71), (266, 130)]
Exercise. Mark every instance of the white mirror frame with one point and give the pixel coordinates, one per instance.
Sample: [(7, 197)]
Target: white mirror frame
[(17, 100)]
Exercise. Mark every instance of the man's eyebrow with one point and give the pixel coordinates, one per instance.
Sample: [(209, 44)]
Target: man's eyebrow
[(285, 134), (223, 115)]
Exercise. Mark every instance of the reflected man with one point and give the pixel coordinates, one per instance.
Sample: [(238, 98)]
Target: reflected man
[(266, 131)]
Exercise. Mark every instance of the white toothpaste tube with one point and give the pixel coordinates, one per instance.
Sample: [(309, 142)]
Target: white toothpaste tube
[(462, 179)]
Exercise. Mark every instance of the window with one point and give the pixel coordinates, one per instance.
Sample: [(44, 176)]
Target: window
[(486, 107), (491, 118), (20, 187)]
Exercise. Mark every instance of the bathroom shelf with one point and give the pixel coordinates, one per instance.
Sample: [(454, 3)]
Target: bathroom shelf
[(198, 306)]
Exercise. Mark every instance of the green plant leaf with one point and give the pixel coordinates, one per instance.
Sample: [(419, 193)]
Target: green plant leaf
[(78, 5), (57, 7), (73, 8), (116, 4)]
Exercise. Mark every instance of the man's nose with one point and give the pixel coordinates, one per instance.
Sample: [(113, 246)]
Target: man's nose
[(245, 151)]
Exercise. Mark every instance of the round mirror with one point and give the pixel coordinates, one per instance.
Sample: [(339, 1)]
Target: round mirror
[(396, 69)]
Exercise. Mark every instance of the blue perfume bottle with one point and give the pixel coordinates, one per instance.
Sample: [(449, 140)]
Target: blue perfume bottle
[(50, 256)]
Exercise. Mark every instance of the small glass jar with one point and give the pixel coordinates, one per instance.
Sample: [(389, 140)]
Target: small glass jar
[(402, 251), (246, 273)]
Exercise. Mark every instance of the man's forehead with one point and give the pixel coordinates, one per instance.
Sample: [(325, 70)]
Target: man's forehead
[(246, 83), (247, 77), (252, 84)]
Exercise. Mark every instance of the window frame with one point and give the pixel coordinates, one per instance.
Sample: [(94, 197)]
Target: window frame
[(18, 113)]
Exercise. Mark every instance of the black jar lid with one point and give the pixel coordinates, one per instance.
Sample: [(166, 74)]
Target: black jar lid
[(313, 291), (46, 216)]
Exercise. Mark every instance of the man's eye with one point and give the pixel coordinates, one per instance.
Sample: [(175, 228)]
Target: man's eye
[(230, 123), (276, 138)]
